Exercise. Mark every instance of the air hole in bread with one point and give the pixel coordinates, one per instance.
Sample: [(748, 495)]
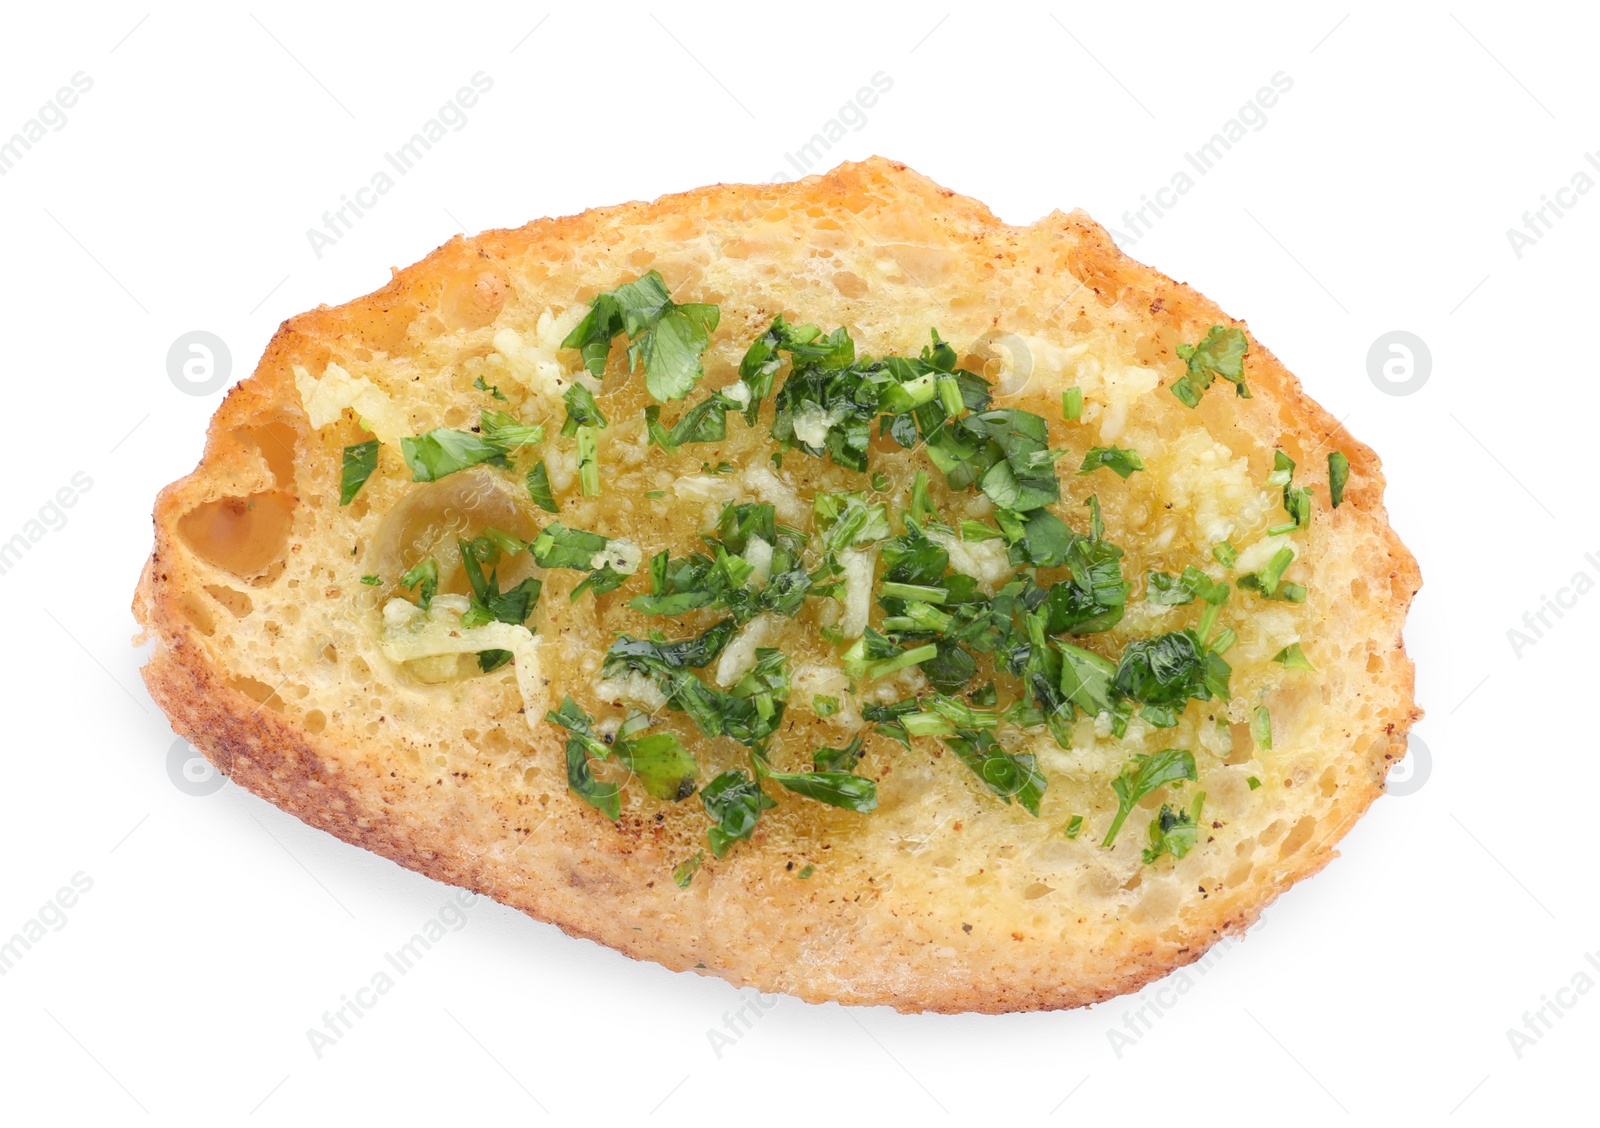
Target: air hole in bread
[(381, 326), (473, 297), (237, 602), (1298, 837), (316, 721), (1036, 890), (1244, 745), (278, 443), (259, 692), (195, 610), (244, 536), (849, 284)]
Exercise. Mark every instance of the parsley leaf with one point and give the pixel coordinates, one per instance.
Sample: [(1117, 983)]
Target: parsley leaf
[(735, 802), (1292, 657), (1338, 475), (442, 451), (439, 452), (1006, 775), (1117, 459), (490, 388), (539, 488), (837, 759), (1174, 832), (557, 546), (360, 460), (425, 575), (1163, 673), (1261, 728), (1142, 775), (685, 871), (582, 410), (835, 788), (660, 762), (666, 338), (691, 653), (581, 744), (1220, 353), (1176, 591)]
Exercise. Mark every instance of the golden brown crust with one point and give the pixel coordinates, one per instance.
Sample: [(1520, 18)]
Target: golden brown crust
[(743, 922)]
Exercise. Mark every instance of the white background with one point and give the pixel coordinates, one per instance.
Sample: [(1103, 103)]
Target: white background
[(1376, 197)]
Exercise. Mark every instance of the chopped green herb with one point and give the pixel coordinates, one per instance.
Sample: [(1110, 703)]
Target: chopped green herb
[(1265, 582), (685, 871), (491, 389), (824, 706), (1293, 658), (489, 604), (1175, 591), (1174, 832), (1253, 782), (581, 745), (1338, 475), (1261, 728), (1008, 776), (837, 789), (735, 802), (442, 451), (1072, 404), (557, 546), (660, 762), (1121, 461), (1142, 775), (539, 488), (1165, 672), (837, 759), (1225, 553), (667, 339), (806, 871), (588, 462), (1074, 826), (423, 575), (582, 410), (506, 433), (371, 581), (360, 461), (1220, 353)]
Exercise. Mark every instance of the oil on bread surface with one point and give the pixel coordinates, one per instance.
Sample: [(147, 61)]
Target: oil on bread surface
[(824, 586)]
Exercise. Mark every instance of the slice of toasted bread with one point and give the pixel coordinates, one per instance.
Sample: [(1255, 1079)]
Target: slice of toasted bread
[(269, 649)]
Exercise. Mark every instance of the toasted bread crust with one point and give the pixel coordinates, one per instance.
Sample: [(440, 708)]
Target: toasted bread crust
[(741, 922)]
